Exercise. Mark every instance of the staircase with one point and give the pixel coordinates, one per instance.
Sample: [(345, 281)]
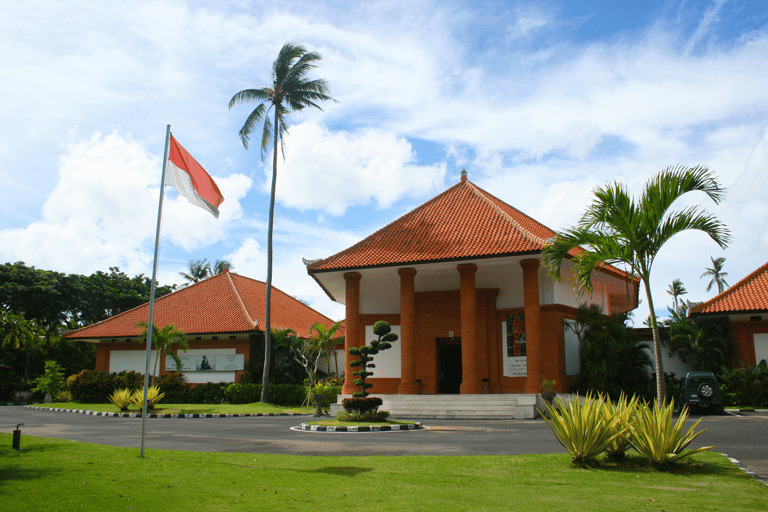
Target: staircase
[(502, 407)]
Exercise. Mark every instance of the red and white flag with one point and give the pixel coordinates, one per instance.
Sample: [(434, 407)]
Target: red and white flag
[(190, 179)]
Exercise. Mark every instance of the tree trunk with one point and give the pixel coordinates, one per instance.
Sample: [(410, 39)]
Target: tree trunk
[(267, 305), (660, 385)]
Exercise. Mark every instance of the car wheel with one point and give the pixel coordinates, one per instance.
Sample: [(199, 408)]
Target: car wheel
[(706, 390)]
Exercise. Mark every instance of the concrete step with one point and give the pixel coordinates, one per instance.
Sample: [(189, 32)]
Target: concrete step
[(506, 406)]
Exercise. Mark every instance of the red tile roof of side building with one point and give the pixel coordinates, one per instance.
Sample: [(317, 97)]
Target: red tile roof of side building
[(224, 303), (749, 294), (463, 222)]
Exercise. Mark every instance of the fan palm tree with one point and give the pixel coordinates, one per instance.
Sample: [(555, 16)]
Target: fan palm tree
[(289, 91), (676, 289), (617, 229), (717, 274), (197, 270)]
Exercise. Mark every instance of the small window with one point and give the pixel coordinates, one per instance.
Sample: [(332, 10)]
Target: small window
[(757, 318)]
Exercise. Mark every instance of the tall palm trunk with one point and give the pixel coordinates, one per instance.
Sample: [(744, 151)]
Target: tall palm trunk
[(268, 304), (660, 384)]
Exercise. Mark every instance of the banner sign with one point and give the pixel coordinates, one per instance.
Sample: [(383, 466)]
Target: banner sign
[(214, 363), (516, 366)]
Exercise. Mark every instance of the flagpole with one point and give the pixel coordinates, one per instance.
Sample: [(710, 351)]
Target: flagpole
[(151, 322)]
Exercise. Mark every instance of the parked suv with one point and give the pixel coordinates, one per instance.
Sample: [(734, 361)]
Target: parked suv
[(701, 390)]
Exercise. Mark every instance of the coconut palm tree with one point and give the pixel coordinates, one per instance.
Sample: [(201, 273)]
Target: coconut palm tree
[(676, 289), (220, 266), (197, 270), (618, 229), (717, 274), (289, 91), (327, 339)]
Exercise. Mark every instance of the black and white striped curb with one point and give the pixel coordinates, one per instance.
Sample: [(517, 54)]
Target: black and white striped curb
[(152, 415), (745, 469), (371, 428)]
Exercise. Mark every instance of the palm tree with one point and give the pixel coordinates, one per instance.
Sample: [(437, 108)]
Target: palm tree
[(717, 274), (220, 266), (676, 289), (290, 90), (327, 339), (706, 346), (617, 229), (197, 271), (163, 340)]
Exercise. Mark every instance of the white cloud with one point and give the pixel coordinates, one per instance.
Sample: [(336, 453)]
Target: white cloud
[(103, 211), (330, 171)]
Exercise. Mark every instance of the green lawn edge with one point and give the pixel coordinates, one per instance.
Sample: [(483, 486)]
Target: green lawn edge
[(51, 474), (161, 408)]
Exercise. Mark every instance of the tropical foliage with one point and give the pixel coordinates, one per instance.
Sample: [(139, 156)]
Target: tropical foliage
[(706, 346), (165, 341), (618, 229), (747, 386), (290, 91), (653, 435), (154, 395), (122, 398), (676, 289), (197, 270), (584, 429), (612, 361), (620, 416), (52, 381)]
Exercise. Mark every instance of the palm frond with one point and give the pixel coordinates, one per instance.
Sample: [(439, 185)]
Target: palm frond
[(249, 95), (250, 123)]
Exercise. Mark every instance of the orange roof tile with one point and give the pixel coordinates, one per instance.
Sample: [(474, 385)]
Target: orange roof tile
[(463, 222), (224, 303), (749, 294)]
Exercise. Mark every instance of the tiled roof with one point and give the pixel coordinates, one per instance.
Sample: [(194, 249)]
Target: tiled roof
[(463, 222), (224, 303), (749, 294)]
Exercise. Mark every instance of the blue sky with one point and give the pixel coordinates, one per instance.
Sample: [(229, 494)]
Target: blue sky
[(539, 101)]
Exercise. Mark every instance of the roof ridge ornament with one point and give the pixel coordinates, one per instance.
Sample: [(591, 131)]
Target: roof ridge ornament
[(307, 262), (463, 174)]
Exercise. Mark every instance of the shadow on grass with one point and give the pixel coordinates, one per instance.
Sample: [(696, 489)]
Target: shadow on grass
[(341, 470), (15, 473), (684, 467)]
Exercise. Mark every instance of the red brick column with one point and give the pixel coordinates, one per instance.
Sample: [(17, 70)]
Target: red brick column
[(407, 332), (351, 328), (533, 346), (470, 380)]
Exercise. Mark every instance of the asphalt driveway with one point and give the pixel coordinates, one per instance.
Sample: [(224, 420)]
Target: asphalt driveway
[(743, 437)]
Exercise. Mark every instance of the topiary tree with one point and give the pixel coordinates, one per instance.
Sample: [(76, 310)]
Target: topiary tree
[(366, 353)]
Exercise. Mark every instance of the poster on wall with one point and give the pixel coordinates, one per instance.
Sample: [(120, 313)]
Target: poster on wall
[(207, 363), (516, 366)]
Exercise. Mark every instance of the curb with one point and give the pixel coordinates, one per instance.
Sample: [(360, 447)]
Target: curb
[(745, 469), (138, 414), (372, 428)]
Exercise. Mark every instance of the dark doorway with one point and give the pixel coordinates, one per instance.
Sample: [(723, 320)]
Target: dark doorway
[(449, 365)]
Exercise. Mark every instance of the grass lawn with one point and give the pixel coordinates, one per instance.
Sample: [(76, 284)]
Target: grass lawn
[(55, 475), (254, 408)]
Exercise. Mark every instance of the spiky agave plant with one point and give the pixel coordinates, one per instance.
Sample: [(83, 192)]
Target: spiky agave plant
[(584, 429), (122, 398), (653, 435), (621, 414), (153, 397)]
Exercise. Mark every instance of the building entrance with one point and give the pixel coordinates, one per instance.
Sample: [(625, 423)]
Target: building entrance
[(449, 365)]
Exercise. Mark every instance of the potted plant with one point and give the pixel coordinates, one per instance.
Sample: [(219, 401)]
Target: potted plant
[(549, 386)]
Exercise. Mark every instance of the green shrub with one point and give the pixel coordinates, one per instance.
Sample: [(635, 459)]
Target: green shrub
[(363, 416), (362, 405), (242, 393), (745, 386), (286, 394), (122, 398), (171, 382), (128, 380), (584, 430), (331, 393), (90, 386), (52, 381), (208, 393), (653, 435)]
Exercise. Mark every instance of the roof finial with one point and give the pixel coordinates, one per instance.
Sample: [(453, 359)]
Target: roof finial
[(463, 175)]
